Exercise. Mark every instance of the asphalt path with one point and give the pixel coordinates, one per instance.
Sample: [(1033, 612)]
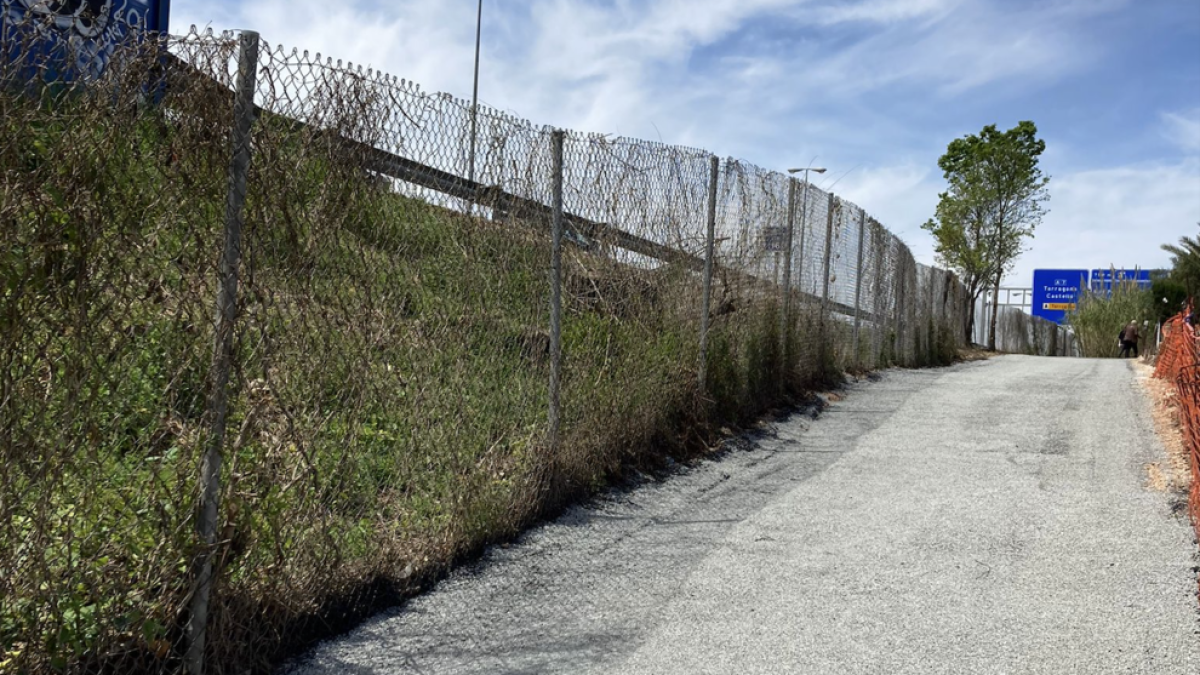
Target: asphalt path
[(991, 517)]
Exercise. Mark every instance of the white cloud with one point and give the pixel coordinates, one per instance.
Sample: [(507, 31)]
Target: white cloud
[(626, 66), (1118, 216), (622, 65), (901, 196), (882, 11), (1115, 216), (1183, 129), (959, 48)]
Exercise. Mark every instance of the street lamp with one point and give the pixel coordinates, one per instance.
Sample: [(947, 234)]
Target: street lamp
[(803, 227), (811, 168), (814, 169), (475, 97), (804, 202), (786, 288)]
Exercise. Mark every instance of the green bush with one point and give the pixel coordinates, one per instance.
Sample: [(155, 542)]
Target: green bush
[(1098, 318)]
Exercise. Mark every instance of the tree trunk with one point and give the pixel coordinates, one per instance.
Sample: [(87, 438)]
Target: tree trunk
[(972, 300), (969, 326), (995, 315)]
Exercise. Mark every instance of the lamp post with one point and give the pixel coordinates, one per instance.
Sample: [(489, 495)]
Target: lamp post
[(786, 288), (803, 214), (475, 99), (804, 201)]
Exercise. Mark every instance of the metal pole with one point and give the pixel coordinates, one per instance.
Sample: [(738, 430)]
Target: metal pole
[(824, 339), (803, 228), (218, 402), (709, 252), (475, 104), (556, 153), (879, 304), (862, 228), (833, 204), (786, 301)]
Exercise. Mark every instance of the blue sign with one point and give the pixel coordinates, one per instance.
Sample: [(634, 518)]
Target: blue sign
[(1056, 292), (1103, 280), (74, 39)]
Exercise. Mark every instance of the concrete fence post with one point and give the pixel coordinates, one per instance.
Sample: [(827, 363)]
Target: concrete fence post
[(222, 360), (556, 158), (709, 252)]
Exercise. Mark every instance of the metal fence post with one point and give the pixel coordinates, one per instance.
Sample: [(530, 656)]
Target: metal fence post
[(785, 305), (833, 205), (879, 305), (709, 252), (824, 339), (226, 316), (862, 227), (556, 158), (803, 229)]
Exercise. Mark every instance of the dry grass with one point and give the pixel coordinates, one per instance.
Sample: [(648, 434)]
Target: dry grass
[(1172, 474), (975, 353)]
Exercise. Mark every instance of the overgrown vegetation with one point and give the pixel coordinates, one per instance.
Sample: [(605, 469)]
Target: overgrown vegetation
[(1185, 264), (1099, 318), (388, 406), (388, 409)]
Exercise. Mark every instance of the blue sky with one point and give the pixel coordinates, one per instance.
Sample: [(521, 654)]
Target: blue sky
[(873, 89)]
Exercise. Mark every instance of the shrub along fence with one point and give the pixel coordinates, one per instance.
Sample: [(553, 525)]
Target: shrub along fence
[(267, 357), (1178, 361)]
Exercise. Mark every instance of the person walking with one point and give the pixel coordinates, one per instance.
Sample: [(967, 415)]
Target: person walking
[(1129, 340)]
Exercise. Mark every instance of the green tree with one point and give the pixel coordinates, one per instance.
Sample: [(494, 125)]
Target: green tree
[(960, 245), (1167, 296), (1185, 263), (994, 201)]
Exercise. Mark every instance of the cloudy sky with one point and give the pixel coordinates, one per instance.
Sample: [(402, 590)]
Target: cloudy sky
[(872, 89)]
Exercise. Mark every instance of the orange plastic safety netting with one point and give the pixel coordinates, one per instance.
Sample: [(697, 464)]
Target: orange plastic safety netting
[(1179, 362)]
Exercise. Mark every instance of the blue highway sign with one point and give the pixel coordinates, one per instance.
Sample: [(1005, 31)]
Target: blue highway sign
[(1102, 280), (1056, 292)]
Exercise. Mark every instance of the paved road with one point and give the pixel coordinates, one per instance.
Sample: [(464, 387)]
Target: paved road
[(985, 518)]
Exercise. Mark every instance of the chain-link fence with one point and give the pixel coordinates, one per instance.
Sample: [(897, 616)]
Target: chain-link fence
[(276, 346)]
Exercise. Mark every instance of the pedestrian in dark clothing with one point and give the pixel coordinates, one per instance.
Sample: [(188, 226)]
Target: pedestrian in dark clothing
[(1129, 340)]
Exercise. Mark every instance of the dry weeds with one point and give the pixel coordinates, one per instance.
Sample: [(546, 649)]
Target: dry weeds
[(1172, 474)]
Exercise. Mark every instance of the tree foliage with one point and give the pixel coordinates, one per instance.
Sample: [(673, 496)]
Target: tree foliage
[(1185, 263), (1168, 297), (994, 201)]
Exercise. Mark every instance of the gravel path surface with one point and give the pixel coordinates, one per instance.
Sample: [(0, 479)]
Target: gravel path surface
[(991, 517)]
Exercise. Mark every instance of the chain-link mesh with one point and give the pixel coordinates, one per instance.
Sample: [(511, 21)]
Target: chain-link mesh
[(392, 348), (109, 236)]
